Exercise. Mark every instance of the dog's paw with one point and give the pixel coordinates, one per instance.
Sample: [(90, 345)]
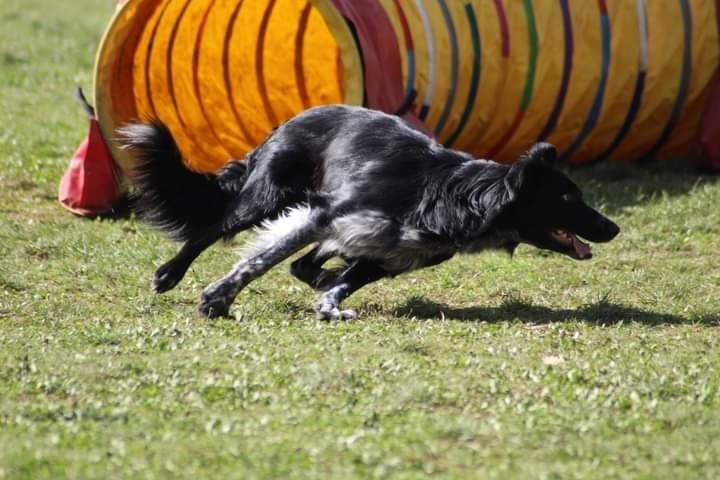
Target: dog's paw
[(165, 279), (211, 307), (330, 313), (216, 299)]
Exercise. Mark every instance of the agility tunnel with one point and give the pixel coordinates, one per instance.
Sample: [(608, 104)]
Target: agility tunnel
[(601, 79)]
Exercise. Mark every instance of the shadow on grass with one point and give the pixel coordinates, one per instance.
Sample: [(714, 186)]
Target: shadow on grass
[(602, 312)]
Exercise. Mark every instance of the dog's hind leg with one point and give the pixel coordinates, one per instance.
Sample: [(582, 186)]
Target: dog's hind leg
[(280, 239), (170, 273), (360, 273), (244, 212)]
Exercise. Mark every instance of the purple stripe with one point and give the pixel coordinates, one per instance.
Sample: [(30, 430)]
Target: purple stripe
[(596, 108), (685, 74), (629, 118), (567, 69)]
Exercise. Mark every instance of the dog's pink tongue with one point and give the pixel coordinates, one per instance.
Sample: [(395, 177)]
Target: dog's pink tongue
[(582, 249)]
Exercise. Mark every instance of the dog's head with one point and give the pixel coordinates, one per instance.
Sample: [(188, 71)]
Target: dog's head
[(547, 209)]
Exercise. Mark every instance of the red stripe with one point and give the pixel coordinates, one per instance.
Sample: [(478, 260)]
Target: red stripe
[(405, 26), (380, 51), (260, 63), (169, 64), (196, 68), (151, 45), (603, 7), (340, 73), (509, 133), (299, 48), (226, 72), (504, 30)]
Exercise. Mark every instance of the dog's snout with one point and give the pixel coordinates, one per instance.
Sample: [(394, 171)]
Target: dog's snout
[(614, 229), (611, 229)]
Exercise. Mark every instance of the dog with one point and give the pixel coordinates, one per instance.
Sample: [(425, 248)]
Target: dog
[(356, 184)]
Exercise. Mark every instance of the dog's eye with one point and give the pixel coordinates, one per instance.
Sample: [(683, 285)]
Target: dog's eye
[(570, 198)]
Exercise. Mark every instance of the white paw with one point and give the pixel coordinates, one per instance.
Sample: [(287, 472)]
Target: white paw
[(328, 312)]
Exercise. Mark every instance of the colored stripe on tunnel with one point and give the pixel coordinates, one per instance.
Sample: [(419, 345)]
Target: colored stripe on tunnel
[(432, 62), (151, 45), (196, 70), (299, 50), (629, 119), (260, 64), (475, 80), (643, 28), (594, 114), (639, 85), (226, 71), (684, 80), (168, 62), (534, 44), (453, 67), (504, 29), (567, 69), (529, 79), (410, 85)]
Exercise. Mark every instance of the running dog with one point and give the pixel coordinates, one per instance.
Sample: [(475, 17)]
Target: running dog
[(356, 184)]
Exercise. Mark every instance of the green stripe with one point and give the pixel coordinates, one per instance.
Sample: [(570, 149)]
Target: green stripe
[(534, 47), (475, 81)]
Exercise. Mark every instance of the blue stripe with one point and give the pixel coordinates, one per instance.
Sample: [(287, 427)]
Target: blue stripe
[(453, 68), (592, 118), (684, 81), (410, 87), (475, 80)]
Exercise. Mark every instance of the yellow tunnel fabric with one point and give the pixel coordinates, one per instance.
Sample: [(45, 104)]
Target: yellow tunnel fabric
[(617, 79), (221, 73)]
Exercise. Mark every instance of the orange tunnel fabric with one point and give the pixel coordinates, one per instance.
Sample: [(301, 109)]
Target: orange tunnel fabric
[(617, 79)]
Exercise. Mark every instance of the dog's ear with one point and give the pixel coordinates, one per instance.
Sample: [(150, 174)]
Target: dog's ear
[(527, 173), (522, 178), (542, 152), (492, 202), (529, 169)]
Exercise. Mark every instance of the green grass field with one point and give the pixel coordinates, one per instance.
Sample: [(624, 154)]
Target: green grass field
[(484, 367)]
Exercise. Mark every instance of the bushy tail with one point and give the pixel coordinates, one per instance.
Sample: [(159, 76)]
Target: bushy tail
[(168, 195)]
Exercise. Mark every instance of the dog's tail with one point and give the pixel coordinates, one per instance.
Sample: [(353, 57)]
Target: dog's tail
[(169, 196)]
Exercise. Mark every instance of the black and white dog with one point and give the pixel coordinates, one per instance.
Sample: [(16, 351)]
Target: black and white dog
[(360, 185)]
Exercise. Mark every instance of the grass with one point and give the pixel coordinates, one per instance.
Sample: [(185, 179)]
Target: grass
[(489, 367)]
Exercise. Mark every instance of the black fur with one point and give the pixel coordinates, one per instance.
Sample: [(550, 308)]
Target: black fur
[(166, 193), (360, 185)]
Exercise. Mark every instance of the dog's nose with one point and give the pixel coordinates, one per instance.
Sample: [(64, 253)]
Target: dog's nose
[(612, 230)]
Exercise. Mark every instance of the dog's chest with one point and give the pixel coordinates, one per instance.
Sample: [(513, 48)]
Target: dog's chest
[(397, 247)]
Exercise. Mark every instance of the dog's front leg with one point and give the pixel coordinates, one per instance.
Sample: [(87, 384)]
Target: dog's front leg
[(309, 269), (357, 275)]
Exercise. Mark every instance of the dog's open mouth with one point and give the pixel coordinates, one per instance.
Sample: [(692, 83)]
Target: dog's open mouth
[(574, 247)]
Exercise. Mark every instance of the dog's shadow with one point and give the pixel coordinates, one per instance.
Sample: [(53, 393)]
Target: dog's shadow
[(602, 312)]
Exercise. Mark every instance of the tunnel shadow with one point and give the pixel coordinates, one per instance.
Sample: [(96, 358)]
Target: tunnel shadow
[(602, 312), (615, 186)]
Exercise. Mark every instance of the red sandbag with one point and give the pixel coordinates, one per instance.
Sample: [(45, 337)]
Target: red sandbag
[(89, 187)]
